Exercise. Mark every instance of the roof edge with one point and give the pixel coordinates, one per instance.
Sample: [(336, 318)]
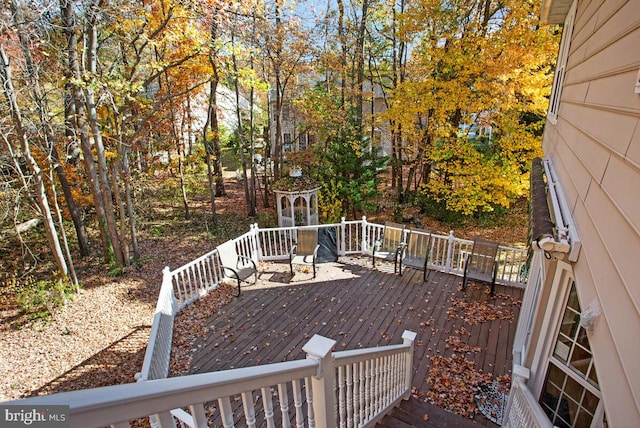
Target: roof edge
[(554, 12)]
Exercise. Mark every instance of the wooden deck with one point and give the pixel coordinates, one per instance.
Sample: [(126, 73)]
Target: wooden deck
[(360, 307)]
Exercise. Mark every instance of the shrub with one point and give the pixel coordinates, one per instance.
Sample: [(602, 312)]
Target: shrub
[(37, 300)]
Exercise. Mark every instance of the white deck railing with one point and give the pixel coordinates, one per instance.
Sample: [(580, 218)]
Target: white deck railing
[(298, 393), (191, 281), (369, 382), (523, 410)]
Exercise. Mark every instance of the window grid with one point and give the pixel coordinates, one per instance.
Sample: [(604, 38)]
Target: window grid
[(571, 394)]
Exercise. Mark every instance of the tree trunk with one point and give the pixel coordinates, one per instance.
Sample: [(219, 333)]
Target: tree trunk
[(212, 117), (179, 149), (121, 211), (103, 171), (41, 196), (362, 27), (241, 138), (72, 72), (252, 187), (65, 242), (126, 179), (34, 82)]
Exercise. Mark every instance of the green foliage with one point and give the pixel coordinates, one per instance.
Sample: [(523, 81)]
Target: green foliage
[(330, 202), (346, 165), (37, 300), (438, 210), (157, 230), (267, 219)]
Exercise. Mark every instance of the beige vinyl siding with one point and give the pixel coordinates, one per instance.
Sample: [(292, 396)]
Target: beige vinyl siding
[(614, 136), (633, 152), (615, 340), (595, 148)]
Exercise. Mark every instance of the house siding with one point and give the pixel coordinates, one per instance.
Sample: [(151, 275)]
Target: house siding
[(595, 148)]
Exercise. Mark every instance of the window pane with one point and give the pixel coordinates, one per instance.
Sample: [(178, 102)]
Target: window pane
[(583, 420), (563, 346), (570, 323), (560, 423), (593, 377), (590, 402), (573, 299), (580, 360), (549, 400), (574, 390), (583, 339)]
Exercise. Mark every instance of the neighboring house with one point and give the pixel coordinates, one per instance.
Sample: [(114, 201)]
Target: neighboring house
[(578, 337), (296, 136)]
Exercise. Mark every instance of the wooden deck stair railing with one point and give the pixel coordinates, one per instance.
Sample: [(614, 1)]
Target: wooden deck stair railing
[(362, 384)]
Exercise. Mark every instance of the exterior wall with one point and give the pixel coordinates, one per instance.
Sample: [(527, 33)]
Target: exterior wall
[(595, 148)]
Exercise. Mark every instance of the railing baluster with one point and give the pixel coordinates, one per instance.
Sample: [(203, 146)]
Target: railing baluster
[(367, 398), (296, 385), (165, 420), (199, 415), (283, 397), (226, 413), (363, 398), (356, 394), (341, 397), (268, 406), (349, 379), (249, 409), (309, 394)]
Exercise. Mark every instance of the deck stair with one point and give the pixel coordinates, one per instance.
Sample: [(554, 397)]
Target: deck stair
[(416, 413)]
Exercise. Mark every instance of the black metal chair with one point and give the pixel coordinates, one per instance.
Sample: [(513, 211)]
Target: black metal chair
[(481, 264), (305, 250), (235, 266), (416, 253)]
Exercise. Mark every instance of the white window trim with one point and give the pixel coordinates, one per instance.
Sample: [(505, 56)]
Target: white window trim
[(563, 278), (529, 308), (561, 66)]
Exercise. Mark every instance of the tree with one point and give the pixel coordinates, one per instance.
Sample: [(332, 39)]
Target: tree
[(6, 78), (480, 63)]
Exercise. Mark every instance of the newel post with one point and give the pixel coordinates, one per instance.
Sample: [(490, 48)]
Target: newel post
[(452, 241), (255, 236), (323, 383), (409, 338), (365, 237), (168, 285), (343, 240)]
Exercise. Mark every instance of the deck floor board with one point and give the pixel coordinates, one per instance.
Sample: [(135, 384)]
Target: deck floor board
[(358, 307)]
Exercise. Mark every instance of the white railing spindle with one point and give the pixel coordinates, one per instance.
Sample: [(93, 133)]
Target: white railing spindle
[(226, 413), (283, 397), (267, 401)]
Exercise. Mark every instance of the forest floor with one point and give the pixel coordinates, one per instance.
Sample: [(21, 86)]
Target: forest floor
[(99, 338)]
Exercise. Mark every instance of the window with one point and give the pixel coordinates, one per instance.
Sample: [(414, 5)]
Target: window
[(561, 65), (570, 394), (286, 142), (305, 141)]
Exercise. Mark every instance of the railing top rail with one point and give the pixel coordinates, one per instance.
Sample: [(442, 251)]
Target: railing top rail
[(355, 355), (94, 407), (194, 261)]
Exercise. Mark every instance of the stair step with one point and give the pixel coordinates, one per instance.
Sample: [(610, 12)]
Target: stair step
[(411, 413)]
